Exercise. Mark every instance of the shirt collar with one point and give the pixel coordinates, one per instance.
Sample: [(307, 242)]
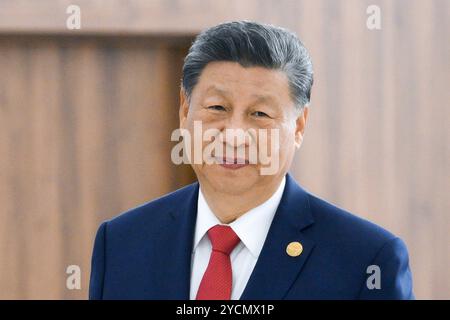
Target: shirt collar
[(261, 216)]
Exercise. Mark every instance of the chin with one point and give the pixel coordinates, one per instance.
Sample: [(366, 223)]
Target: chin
[(232, 181)]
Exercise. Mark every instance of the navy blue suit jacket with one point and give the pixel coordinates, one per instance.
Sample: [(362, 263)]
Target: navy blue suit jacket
[(145, 253)]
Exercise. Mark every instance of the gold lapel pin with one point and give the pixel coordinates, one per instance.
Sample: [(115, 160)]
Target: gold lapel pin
[(294, 249)]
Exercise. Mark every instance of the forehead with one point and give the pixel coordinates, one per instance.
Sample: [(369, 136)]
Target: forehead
[(233, 81)]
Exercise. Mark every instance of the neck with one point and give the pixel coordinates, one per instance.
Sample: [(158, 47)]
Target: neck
[(228, 207)]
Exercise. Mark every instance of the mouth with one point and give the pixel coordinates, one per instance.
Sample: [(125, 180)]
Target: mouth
[(232, 163)]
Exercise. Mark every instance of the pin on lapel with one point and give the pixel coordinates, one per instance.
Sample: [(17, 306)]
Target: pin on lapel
[(294, 249)]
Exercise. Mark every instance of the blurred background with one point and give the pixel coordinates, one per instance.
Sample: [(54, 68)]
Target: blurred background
[(86, 117)]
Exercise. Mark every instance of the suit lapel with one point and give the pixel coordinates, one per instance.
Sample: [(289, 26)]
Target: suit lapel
[(276, 271), (174, 276)]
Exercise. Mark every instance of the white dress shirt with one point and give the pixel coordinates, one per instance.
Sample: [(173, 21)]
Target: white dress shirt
[(252, 228)]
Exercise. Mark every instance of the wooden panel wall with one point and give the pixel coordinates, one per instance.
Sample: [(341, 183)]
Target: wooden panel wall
[(85, 133), (85, 122)]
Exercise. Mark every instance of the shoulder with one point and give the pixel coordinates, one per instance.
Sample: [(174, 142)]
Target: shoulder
[(350, 235), (345, 223), (151, 214), (353, 245)]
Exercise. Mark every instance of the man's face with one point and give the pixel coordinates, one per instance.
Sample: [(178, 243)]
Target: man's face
[(229, 96)]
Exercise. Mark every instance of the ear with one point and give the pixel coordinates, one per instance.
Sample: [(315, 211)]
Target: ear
[(300, 127), (184, 108)]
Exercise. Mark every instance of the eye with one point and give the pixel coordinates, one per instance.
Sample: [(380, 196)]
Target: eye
[(217, 108), (261, 114)]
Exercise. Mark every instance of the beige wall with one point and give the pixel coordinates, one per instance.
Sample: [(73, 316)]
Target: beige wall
[(86, 117)]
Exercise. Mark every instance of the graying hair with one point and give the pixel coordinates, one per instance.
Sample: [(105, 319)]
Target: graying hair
[(252, 44)]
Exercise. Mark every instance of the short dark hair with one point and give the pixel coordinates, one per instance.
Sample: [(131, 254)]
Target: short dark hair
[(252, 44)]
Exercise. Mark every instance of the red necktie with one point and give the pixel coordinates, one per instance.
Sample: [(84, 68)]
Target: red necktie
[(217, 279)]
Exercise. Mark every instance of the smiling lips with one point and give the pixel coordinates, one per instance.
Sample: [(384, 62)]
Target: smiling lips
[(233, 163)]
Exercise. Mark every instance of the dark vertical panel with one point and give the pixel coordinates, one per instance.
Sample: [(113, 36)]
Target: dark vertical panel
[(85, 132)]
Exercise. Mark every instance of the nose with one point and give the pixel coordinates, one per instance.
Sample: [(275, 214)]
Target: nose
[(235, 132)]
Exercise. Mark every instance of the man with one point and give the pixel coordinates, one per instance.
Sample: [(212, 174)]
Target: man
[(238, 233)]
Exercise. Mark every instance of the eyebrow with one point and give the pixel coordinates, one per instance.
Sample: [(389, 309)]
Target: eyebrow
[(263, 99), (218, 90), (258, 98)]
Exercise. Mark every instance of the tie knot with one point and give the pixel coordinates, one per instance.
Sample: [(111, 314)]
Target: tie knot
[(223, 239)]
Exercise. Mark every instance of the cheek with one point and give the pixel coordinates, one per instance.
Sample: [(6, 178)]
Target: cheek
[(287, 142), (279, 141)]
